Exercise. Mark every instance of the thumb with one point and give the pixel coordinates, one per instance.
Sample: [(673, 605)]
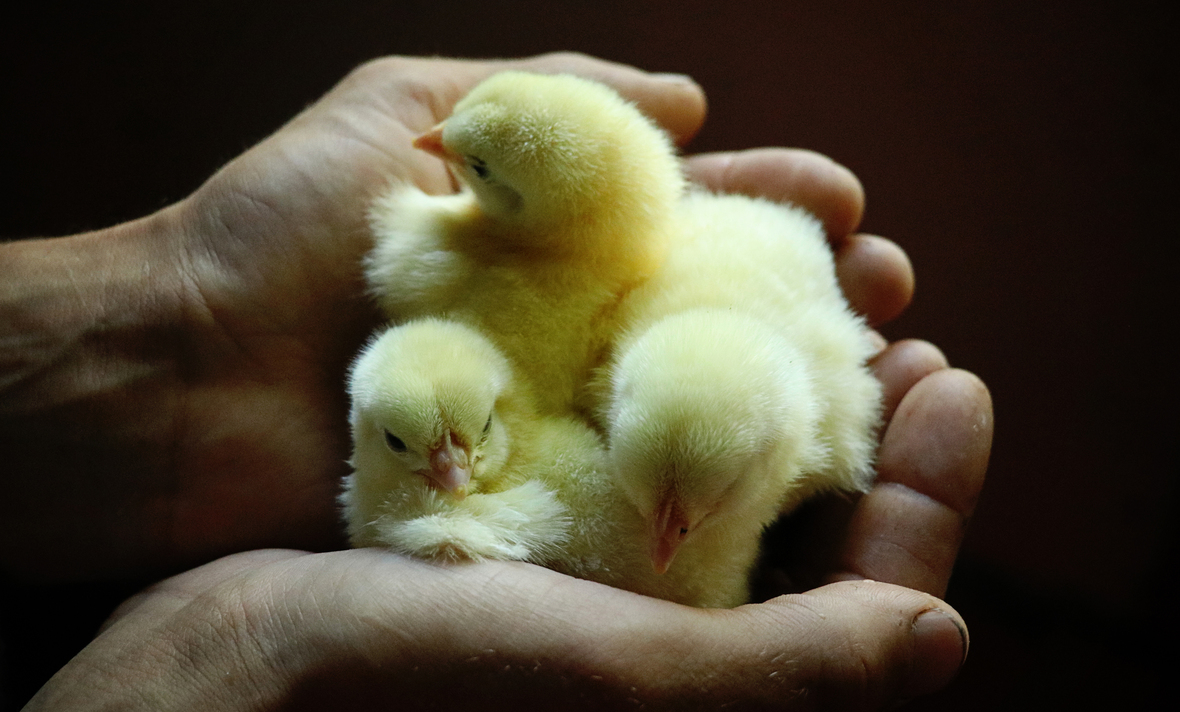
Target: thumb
[(533, 639), (674, 101), (849, 645)]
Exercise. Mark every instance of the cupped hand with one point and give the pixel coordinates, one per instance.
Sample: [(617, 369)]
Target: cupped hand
[(363, 628), (367, 628), (186, 398), (265, 270), (256, 306), (272, 247)]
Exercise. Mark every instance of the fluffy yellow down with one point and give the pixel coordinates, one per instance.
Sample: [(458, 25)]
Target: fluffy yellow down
[(633, 343)]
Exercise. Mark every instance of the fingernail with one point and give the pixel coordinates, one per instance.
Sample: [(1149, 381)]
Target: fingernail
[(940, 649)]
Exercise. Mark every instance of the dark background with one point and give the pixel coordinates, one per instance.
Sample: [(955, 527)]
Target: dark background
[(1016, 150)]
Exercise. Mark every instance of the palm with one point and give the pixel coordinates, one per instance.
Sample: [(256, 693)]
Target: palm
[(281, 311), (277, 240)]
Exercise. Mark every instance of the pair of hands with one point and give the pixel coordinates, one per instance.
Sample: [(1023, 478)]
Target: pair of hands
[(231, 424)]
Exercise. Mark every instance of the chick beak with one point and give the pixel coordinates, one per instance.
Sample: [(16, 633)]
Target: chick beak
[(450, 466), (432, 143), (669, 528)]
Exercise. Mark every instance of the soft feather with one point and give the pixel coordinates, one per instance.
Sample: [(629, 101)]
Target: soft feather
[(567, 202), (734, 383), (738, 386), (420, 386), (541, 489)]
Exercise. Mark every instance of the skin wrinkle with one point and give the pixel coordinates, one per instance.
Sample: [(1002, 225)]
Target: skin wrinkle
[(200, 305), (450, 604), (166, 358), (201, 302), (255, 201), (907, 492), (458, 618), (943, 451), (199, 312), (578, 654), (194, 309), (880, 550), (881, 530), (534, 608), (382, 146), (31, 384), (379, 619), (850, 681), (262, 619), (179, 430), (413, 82), (182, 642), (306, 173)]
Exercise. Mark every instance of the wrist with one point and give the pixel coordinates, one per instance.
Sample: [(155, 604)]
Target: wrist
[(88, 333), (57, 293)]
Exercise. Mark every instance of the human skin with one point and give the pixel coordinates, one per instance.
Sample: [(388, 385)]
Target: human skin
[(171, 391)]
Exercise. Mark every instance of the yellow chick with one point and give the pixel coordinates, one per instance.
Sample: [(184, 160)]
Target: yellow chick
[(424, 406), (430, 481), (606, 537), (738, 385), (567, 199), (445, 447)]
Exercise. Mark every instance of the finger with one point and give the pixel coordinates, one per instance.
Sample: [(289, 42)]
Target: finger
[(875, 276), (801, 551), (931, 465), (810, 180), (413, 94), (901, 365), (854, 645), (673, 101)]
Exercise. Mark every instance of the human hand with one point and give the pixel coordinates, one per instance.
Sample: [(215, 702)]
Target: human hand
[(184, 394), (368, 628), (227, 430), (354, 629), (263, 421)]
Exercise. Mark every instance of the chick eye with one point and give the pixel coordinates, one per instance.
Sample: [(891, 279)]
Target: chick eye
[(394, 442), (480, 168), (487, 426)]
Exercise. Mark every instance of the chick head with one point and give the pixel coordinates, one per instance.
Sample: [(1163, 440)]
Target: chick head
[(543, 152), (699, 402), (424, 396)]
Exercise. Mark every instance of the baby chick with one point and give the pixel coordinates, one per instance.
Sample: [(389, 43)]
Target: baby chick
[(567, 198), (448, 448), (424, 406), (430, 481), (738, 386)]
